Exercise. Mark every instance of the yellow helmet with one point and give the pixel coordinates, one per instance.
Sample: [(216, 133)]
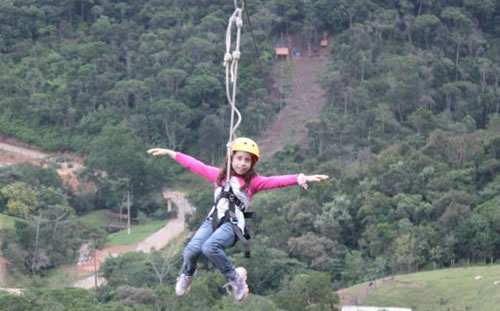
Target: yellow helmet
[(247, 145)]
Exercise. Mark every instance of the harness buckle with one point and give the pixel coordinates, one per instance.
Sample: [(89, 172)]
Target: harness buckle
[(232, 217)]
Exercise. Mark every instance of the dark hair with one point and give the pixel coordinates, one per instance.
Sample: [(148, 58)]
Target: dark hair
[(247, 177)]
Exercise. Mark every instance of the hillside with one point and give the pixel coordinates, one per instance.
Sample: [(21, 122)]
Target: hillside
[(468, 288), (14, 151), (301, 97)]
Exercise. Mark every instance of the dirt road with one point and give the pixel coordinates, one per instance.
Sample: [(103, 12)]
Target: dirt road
[(173, 228), (157, 240), (25, 152)]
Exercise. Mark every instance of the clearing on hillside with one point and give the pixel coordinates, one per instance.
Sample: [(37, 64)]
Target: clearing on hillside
[(301, 97)]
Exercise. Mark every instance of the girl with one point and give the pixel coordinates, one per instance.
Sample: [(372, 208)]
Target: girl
[(225, 222)]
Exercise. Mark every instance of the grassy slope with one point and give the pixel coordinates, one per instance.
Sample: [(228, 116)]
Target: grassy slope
[(447, 289), (138, 232), (6, 221), (95, 218)]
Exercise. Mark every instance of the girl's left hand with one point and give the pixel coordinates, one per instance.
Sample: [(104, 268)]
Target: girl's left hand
[(303, 180)]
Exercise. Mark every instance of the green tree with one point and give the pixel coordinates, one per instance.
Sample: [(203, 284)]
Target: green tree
[(202, 89), (335, 221), (121, 155), (426, 24), (22, 200), (307, 290), (213, 138), (378, 238), (172, 78), (131, 296), (314, 250), (477, 240), (461, 27), (130, 269), (405, 252), (355, 267), (173, 118)]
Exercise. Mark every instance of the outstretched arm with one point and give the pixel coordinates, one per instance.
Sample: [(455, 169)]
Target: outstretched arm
[(260, 183), (162, 152), (208, 172)]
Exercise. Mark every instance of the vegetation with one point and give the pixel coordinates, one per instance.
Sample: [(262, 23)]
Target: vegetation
[(97, 218), (138, 234), (409, 134), (6, 221), (473, 288)]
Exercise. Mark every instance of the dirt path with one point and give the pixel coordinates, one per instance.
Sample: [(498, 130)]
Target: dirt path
[(157, 240), (298, 79), (24, 152), (173, 228)]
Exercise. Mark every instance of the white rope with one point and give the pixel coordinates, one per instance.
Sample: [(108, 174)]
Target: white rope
[(231, 64)]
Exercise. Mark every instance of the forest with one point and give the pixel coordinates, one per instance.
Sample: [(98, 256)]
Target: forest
[(409, 135)]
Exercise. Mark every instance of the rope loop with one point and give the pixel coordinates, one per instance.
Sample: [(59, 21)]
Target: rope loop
[(236, 4), (231, 65)]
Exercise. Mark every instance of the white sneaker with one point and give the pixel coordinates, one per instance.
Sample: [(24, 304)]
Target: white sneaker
[(239, 285), (183, 285)]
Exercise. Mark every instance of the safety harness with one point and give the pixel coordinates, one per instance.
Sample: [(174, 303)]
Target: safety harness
[(230, 216)]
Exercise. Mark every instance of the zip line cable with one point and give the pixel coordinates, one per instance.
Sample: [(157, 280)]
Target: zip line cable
[(257, 52)]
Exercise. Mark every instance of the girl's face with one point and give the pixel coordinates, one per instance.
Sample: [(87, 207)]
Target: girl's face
[(241, 162)]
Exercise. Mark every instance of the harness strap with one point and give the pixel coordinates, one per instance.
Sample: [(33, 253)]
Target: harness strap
[(243, 240), (230, 216)]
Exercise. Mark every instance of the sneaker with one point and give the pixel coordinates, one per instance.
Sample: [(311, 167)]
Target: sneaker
[(239, 284), (183, 285)]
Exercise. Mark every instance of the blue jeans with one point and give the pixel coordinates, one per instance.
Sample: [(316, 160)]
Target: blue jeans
[(212, 244)]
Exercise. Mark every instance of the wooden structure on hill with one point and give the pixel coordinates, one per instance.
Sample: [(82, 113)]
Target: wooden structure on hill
[(282, 48), (117, 222), (324, 42), (282, 52)]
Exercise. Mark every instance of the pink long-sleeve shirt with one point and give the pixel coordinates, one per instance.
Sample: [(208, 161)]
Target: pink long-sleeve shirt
[(258, 183)]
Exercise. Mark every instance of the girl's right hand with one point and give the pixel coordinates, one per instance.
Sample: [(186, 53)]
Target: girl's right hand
[(162, 152)]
